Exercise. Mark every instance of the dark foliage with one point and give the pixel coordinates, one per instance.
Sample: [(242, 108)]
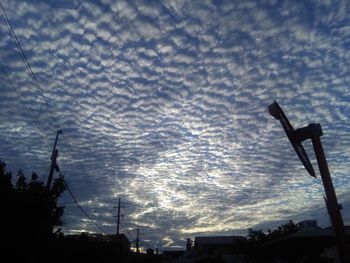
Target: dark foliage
[(28, 216), (258, 237), (276, 246), (28, 212)]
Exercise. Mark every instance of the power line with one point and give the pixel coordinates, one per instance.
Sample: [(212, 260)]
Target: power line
[(83, 211), (25, 60), (9, 79)]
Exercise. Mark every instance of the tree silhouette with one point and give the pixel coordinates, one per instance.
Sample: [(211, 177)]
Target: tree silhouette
[(260, 237), (263, 246), (29, 212)]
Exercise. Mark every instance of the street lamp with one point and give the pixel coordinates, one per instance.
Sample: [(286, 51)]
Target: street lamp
[(314, 132)]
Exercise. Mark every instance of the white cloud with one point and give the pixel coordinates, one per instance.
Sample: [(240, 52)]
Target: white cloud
[(165, 104)]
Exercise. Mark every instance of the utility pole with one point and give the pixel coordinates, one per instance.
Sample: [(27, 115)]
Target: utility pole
[(137, 241), (314, 132), (118, 217), (54, 156)]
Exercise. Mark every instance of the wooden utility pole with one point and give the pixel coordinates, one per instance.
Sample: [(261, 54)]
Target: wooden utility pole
[(118, 217), (54, 156), (137, 241)]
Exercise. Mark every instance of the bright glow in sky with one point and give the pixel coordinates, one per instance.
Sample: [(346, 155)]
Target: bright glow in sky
[(164, 104)]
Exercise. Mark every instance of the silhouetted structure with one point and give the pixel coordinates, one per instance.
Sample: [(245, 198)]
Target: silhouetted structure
[(172, 254), (122, 244), (150, 251), (189, 244), (92, 248), (314, 244), (314, 132), (211, 245), (308, 224), (54, 165)]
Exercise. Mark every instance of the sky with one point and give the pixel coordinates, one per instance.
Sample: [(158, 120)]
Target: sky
[(164, 105)]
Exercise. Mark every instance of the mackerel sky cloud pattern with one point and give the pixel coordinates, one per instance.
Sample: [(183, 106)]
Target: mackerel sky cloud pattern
[(164, 104)]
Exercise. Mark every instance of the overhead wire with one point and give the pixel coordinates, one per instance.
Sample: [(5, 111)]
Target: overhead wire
[(30, 71), (19, 47), (10, 81), (24, 57), (29, 68), (82, 209), (25, 60)]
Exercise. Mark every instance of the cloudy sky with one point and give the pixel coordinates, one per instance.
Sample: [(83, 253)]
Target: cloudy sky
[(164, 104)]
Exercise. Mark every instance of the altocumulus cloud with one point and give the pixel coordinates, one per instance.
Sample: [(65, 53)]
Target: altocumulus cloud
[(163, 103)]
